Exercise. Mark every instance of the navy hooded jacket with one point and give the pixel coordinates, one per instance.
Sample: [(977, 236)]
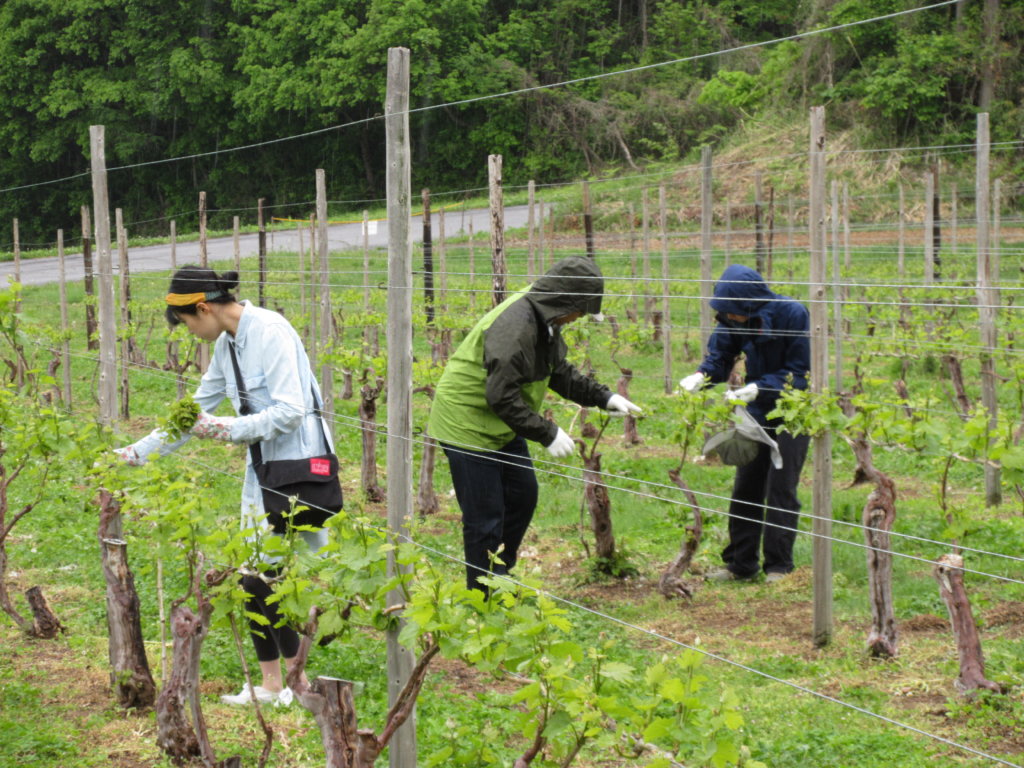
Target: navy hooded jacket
[(775, 340)]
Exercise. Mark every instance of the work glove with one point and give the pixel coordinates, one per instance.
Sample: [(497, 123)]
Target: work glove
[(130, 456), (693, 383), (213, 427), (619, 406), (562, 445), (747, 394), (137, 454)]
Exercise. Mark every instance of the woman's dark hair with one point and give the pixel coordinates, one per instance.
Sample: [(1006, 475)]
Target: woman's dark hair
[(192, 279)]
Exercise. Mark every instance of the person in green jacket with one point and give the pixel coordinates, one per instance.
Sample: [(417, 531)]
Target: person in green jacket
[(488, 401)]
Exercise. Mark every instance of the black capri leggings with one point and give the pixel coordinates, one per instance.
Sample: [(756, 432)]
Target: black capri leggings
[(270, 641)]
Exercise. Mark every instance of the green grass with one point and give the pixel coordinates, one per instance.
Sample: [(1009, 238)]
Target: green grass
[(761, 627)]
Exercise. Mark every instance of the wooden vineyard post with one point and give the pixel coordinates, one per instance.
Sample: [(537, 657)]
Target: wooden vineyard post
[(822, 491), (204, 260), (948, 572), (303, 277), (236, 227), (531, 194), (986, 303), (15, 236), (428, 261), (401, 661), (65, 346), (370, 332), (174, 245), (326, 316), (499, 268), (107, 390), (790, 226), (837, 330), (706, 218), (92, 341), (953, 219), (124, 283), (261, 254), (759, 246), (472, 267), (901, 243), (929, 226), (313, 347), (646, 228), (129, 669), (588, 221), (994, 238), (728, 233), (666, 314)]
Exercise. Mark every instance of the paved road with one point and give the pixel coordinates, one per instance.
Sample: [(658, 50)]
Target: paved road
[(340, 237)]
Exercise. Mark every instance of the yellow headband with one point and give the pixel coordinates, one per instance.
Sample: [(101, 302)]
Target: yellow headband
[(188, 299)]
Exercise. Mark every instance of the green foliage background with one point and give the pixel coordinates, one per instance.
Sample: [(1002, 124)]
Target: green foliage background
[(184, 77)]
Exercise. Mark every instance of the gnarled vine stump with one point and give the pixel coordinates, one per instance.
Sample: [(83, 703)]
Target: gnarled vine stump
[(948, 572), (129, 669), (672, 584)]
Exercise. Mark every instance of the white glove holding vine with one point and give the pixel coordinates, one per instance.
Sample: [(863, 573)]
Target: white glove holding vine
[(747, 394), (562, 445)]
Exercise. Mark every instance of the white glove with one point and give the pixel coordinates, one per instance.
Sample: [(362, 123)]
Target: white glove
[(213, 427), (747, 394), (620, 406), (693, 383), (562, 445)]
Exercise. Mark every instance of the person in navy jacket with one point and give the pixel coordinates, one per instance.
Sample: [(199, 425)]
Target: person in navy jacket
[(772, 333)]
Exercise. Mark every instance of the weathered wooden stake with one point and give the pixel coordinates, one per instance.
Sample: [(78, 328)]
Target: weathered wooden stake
[(588, 220), (326, 370), (822, 492), (986, 303), (401, 663), (107, 390), (706, 219), (666, 312), (428, 260), (261, 228), (92, 340), (65, 346), (531, 194), (499, 269), (124, 282)]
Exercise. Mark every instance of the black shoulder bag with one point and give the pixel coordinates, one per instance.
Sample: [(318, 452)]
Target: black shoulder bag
[(312, 482)]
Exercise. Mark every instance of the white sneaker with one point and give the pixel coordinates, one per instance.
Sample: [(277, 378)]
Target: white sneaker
[(244, 698), (284, 698)]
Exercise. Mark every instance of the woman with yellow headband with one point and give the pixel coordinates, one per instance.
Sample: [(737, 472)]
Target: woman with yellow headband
[(282, 418)]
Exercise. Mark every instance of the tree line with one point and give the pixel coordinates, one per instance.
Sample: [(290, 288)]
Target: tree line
[(172, 79)]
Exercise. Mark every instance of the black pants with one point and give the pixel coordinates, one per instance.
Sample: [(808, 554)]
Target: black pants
[(757, 484), (270, 641), (497, 493)]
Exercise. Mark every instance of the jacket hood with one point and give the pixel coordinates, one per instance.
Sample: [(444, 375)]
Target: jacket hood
[(572, 285), (741, 291)]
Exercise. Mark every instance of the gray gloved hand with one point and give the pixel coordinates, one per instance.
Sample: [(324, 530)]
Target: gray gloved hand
[(620, 406), (562, 445), (747, 394), (693, 383)]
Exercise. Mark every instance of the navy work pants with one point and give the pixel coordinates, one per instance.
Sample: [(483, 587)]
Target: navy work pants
[(762, 494), (497, 493)]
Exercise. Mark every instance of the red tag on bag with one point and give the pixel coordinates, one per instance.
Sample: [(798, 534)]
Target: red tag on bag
[(320, 467)]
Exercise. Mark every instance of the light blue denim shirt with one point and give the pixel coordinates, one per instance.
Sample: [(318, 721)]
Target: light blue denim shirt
[(278, 378)]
